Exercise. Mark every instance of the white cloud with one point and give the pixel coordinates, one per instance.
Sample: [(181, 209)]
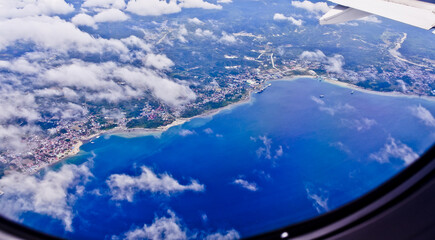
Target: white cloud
[(124, 187), (319, 197), (83, 19), (98, 79), (110, 15), (152, 7), (158, 61), (208, 131), (24, 8), (199, 4), (423, 114), (203, 33), (335, 63), (395, 149), (167, 228), (186, 132), (20, 65), (120, 4), (360, 125), (371, 18), (331, 64), (55, 34), (51, 195), (227, 38), (337, 108), (316, 8), (134, 41), (52, 68), (340, 146), (11, 136), (157, 7), (246, 185), (278, 152), (81, 75), (13, 105), (228, 235), (224, 1), (312, 56), (195, 21), (182, 32), (318, 100), (172, 228), (281, 17), (170, 92), (266, 149)]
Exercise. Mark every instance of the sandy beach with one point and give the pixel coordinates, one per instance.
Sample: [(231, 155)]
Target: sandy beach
[(357, 88), (138, 132)]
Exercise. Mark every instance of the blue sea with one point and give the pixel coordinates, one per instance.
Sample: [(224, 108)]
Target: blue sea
[(296, 150)]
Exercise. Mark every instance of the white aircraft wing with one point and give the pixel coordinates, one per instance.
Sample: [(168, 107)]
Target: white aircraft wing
[(416, 13)]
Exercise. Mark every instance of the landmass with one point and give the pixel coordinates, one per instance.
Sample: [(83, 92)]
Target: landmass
[(223, 74)]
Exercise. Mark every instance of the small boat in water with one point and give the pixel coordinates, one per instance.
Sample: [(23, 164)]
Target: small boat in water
[(322, 96)]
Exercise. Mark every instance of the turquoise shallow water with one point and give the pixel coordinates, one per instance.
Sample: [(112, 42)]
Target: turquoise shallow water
[(286, 156)]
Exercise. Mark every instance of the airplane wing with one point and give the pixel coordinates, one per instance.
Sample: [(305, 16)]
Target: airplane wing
[(416, 13)]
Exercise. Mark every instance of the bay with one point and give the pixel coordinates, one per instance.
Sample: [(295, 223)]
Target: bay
[(296, 150)]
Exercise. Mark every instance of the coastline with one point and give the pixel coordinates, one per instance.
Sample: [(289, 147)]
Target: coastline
[(139, 132), (357, 88)]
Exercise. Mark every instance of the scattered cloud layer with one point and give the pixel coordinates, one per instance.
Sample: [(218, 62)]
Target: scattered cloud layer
[(171, 227), (332, 64), (204, 33), (359, 124), (157, 7), (227, 38), (111, 15), (161, 228), (423, 115), (19, 8), (315, 8), (124, 187), (199, 4), (338, 108), (319, 197), (223, 235), (208, 131), (251, 186), (186, 132), (57, 65), (281, 17), (341, 146), (394, 149), (266, 150), (119, 4), (195, 21), (52, 195), (318, 100)]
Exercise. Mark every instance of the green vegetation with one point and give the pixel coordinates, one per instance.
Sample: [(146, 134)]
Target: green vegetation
[(145, 123)]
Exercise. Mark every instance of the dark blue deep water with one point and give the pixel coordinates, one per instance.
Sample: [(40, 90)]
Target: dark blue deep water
[(301, 154)]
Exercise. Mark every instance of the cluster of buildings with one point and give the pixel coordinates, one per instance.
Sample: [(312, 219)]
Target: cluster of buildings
[(66, 138)]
